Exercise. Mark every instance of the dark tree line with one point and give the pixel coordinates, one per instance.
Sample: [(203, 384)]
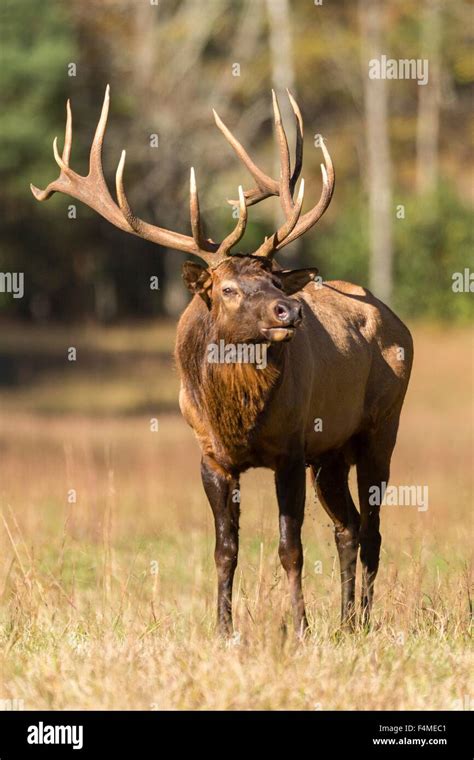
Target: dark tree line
[(168, 65)]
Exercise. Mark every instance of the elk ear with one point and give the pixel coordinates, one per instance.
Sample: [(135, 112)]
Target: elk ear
[(293, 280), (197, 280)]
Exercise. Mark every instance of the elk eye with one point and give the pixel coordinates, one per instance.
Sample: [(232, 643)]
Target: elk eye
[(228, 291)]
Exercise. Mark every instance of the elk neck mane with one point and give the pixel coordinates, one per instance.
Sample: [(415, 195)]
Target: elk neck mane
[(232, 396)]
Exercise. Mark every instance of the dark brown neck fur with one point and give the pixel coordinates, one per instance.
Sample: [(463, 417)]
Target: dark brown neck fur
[(233, 396)]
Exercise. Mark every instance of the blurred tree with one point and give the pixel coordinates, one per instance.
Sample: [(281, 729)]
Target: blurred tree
[(379, 171), (168, 65), (283, 78), (31, 41), (429, 102)]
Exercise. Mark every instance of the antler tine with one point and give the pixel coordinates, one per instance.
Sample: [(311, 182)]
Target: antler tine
[(160, 235), (266, 186), (122, 199), (93, 191), (68, 134), (63, 163), (239, 230), (284, 187), (272, 187), (95, 157), (120, 190), (271, 244), (311, 217), (196, 227), (299, 142), (295, 225), (194, 212), (252, 197)]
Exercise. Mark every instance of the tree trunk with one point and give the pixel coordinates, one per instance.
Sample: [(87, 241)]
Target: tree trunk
[(428, 103), (283, 77), (379, 179)]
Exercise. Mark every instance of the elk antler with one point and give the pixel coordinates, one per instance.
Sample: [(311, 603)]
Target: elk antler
[(93, 191), (294, 225)]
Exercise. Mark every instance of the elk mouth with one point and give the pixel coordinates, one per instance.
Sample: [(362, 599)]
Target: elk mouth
[(278, 334)]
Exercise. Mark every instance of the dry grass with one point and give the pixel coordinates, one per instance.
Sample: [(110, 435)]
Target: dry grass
[(86, 623)]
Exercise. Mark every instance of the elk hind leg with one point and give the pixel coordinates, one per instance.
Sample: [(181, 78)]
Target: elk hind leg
[(373, 472), (331, 483)]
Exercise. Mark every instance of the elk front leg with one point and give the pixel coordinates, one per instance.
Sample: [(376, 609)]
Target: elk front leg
[(290, 481), (222, 490)]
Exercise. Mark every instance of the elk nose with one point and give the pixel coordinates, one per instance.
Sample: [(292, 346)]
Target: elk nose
[(298, 314), (288, 312)]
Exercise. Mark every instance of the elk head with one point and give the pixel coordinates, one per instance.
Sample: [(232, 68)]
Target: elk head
[(248, 298), (248, 294)]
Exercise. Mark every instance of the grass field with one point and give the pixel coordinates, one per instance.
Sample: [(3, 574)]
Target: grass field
[(106, 570)]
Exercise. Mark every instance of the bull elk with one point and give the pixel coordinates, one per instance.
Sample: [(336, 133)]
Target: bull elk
[(336, 354)]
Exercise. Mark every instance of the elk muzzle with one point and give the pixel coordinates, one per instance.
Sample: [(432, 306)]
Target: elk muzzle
[(285, 315)]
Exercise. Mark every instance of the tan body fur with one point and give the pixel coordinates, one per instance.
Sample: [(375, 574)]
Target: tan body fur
[(343, 367)]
